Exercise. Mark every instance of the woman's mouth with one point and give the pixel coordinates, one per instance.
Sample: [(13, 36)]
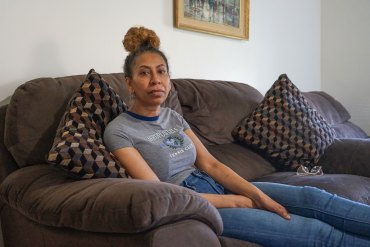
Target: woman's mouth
[(157, 93)]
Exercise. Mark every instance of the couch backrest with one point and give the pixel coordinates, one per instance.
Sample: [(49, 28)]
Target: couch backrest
[(213, 108), (33, 115), (335, 114), (37, 107)]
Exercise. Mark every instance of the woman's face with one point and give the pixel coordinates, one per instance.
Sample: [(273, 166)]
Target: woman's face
[(150, 80)]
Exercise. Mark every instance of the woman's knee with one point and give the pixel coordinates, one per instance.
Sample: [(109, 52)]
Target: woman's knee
[(290, 195)]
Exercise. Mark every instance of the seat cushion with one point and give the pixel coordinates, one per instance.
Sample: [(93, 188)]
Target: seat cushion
[(78, 146), (285, 129)]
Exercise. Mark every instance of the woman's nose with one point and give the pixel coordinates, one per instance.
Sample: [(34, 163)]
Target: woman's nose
[(155, 79)]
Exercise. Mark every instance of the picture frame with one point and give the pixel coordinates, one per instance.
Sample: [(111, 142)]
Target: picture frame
[(229, 18)]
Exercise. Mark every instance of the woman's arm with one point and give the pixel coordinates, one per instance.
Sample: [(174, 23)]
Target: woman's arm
[(134, 164), (232, 181), (229, 201)]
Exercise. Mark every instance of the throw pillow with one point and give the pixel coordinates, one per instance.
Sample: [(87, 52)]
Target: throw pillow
[(285, 129), (78, 146)]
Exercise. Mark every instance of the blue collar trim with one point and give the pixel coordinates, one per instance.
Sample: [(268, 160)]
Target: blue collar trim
[(140, 117)]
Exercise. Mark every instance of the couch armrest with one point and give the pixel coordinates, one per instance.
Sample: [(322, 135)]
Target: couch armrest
[(347, 156), (47, 195)]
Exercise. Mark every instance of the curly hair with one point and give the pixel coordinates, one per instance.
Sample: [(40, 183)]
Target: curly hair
[(139, 40)]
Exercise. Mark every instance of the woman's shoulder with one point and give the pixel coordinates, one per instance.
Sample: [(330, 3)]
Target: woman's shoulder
[(118, 118), (171, 112), (117, 121)]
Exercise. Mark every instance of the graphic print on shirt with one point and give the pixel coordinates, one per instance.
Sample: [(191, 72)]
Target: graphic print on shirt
[(174, 141), (171, 139)]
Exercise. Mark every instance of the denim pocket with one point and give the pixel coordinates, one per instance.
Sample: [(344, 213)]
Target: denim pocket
[(201, 182)]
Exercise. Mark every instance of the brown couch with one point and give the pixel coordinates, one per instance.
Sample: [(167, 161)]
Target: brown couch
[(43, 205)]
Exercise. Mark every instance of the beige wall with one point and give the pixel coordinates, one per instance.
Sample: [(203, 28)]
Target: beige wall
[(346, 56), (55, 38)]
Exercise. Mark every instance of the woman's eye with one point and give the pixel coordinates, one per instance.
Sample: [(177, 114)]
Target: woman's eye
[(162, 72), (144, 73)]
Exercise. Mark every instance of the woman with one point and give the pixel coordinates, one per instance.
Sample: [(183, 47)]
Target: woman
[(155, 143)]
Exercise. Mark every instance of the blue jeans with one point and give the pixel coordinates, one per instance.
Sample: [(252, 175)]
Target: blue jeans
[(318, 218)]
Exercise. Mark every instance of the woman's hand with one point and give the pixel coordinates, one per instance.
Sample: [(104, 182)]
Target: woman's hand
[(239, 201), (266, 203)]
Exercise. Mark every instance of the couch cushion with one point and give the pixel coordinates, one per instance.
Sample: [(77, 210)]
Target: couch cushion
[(213, 108), (335, 114), (328, 107), (347, 156), (172, 100), (349, 130), (34, 113), (35, 110), (285, 129), (242, 160), (78, 146)]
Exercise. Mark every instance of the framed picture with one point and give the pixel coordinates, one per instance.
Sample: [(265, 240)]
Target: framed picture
[(228, 18)]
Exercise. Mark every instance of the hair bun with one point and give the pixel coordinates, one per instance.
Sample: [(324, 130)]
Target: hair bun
[(140, 36)]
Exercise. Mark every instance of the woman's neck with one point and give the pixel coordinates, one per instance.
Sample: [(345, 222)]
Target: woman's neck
[(145, 111)]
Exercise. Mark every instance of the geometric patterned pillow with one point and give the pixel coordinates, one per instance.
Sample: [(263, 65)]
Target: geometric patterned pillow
[(285, 129), (78, 146)]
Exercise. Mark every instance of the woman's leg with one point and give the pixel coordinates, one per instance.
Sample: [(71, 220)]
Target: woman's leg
[(315, 203), (269, 229)]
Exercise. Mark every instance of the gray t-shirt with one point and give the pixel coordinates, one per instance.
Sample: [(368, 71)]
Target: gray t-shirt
[(160, 140)]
